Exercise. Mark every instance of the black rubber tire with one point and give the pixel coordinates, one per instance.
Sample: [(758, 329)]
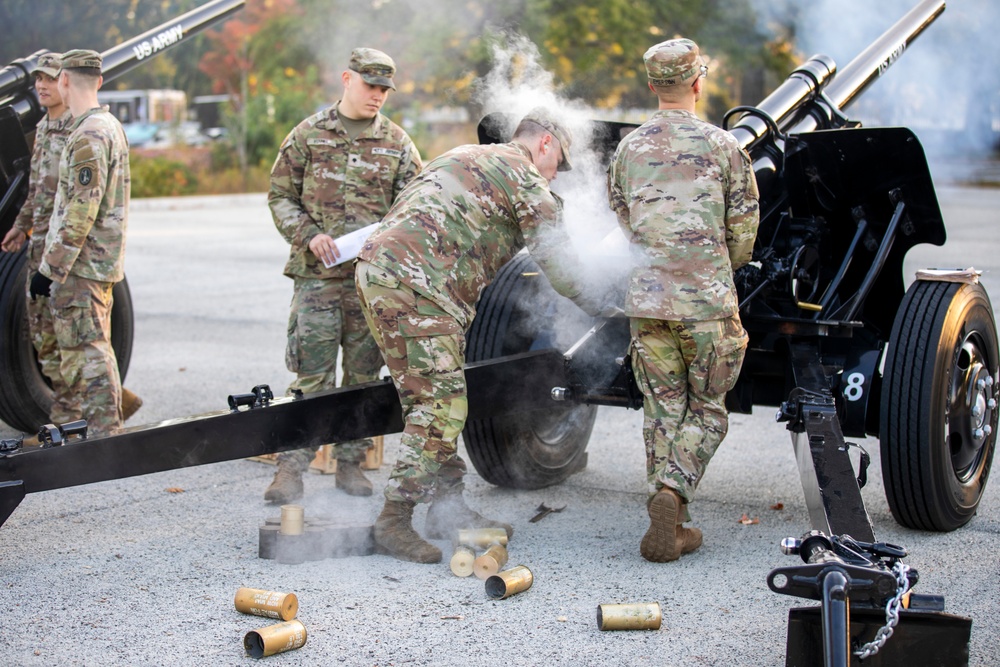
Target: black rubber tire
[(25, 395), (935, 463), (519, 312)]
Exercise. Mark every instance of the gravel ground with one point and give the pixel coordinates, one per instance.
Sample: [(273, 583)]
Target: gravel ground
[(143, 571)]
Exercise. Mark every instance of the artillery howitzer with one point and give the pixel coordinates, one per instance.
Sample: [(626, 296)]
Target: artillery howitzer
[(25, 397), (825, 305)]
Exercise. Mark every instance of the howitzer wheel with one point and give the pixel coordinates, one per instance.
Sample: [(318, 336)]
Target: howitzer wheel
[(25, 395), (520, 312), (938, 420)]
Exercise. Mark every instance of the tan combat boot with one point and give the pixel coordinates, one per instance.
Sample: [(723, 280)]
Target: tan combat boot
[(449, 513), (351, 480), (394, 535), (130, 404), (666, 538), (286, 487)]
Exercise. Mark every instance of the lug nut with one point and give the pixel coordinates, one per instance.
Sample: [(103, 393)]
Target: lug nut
[(790, 546)]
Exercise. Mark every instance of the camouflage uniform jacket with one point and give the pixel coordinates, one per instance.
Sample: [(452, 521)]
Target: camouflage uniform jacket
[(686, 196), (464, 217), (33, 218), (86, 236), (322, 182)]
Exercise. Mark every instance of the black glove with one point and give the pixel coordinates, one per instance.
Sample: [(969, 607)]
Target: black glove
[(40, 285)]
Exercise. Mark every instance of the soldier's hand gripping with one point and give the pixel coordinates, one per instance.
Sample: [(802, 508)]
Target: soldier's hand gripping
[(13, 240), (40, 285), (324, 247)]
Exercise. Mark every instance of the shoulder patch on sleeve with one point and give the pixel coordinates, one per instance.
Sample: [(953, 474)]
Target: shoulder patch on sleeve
[(83, 151), (86, 174)]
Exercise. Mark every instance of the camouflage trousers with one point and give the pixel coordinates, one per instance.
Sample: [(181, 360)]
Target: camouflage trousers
[(424, 349), (43, 338), (81, 322), (326, 319), (684, 370)]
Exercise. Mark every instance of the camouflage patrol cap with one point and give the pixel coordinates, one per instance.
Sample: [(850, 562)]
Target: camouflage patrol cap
[(48, 64), (80, 58), (374, 67), (673, 61), (541, 116)]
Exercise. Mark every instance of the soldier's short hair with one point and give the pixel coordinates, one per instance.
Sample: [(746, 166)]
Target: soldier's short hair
[(539, 121)]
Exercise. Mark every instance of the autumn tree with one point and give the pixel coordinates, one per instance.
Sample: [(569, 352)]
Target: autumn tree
[(257, 60)]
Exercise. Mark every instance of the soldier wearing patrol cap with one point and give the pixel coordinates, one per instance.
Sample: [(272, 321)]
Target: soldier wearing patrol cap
[(337, 172), (33, 218), (686, 196), (420, 276), (84, 251)]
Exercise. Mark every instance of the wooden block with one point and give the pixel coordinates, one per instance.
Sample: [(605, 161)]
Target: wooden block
[(325, 462)]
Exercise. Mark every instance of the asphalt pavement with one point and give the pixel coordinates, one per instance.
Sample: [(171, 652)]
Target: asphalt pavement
[(143, 571)]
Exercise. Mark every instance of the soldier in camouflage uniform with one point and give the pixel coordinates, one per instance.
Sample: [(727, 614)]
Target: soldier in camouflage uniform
[(84, 253), (420, 276), (338, 171), (33, 221), (686, 196)]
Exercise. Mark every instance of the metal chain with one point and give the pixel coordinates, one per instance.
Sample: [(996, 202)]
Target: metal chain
[(891, 613)]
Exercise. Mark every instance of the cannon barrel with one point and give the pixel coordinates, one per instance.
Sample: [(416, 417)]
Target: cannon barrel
[(16, 82), (814, 94), (872, 63)]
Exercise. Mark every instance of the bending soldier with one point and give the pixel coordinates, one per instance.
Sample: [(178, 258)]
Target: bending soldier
[(337, 172), (84, 254), (686, 195), (420, 276)]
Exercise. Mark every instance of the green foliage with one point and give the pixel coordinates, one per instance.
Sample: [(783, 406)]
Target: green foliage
[(159, 176)]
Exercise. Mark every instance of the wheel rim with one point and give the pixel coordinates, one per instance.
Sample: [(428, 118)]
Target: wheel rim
[(971, 407)]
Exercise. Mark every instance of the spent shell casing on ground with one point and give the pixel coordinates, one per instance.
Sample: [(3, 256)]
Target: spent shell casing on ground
[(509, 582), (278, 638), (480, 538), (292, 519), (634, 616), (462, 561), (490, 562), (270, 604)]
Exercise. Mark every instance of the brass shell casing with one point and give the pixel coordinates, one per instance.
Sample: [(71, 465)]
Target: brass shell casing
[(509, 582), (490, 562), (480, 538), (462, 561), (636, 616), (279, 638), (270, 604), (292, 519)]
